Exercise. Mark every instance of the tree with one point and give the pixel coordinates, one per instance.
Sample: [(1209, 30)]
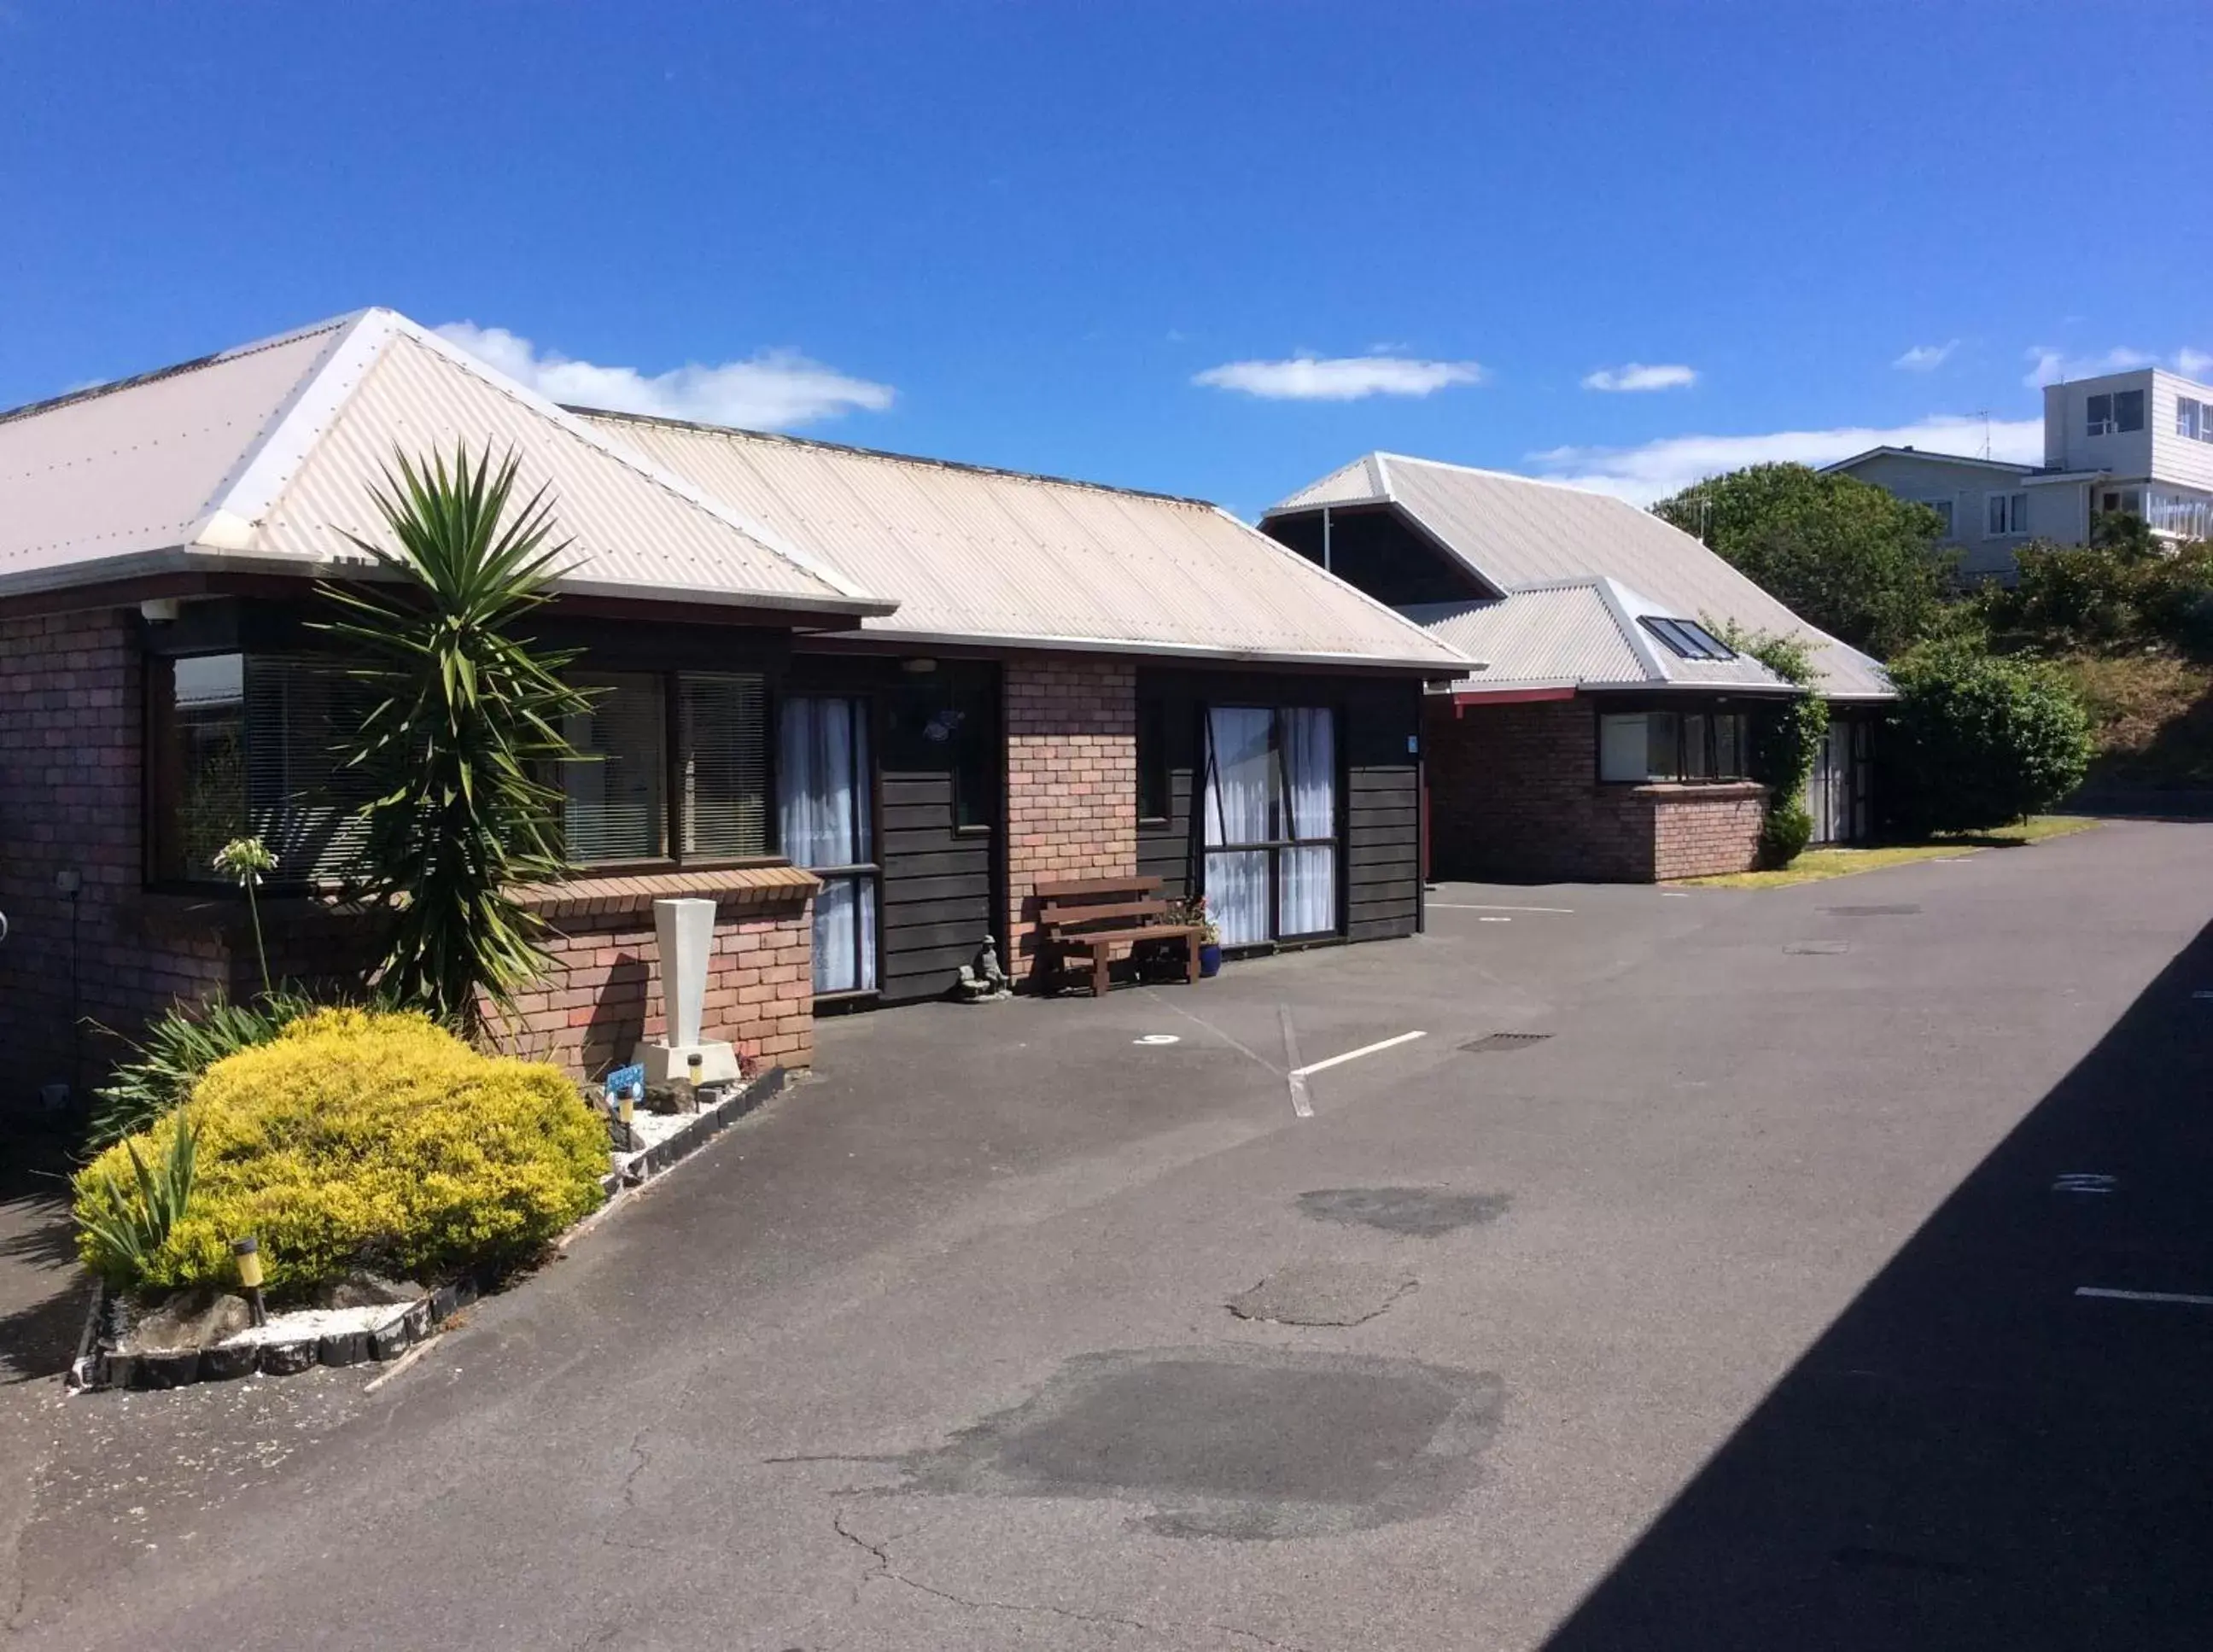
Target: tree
[(1786, 740), (467, 724), (1977, 740), (1852, 558)]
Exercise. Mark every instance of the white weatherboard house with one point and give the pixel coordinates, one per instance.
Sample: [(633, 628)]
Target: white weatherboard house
[(2139, 443)]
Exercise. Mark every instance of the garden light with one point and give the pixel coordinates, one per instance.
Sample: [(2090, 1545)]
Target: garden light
[(247, 1251)]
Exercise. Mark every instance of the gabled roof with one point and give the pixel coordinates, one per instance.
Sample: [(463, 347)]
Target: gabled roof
[(1578, 633), (264, 458), (1521, 535), (2012, 467), (1001, 557)]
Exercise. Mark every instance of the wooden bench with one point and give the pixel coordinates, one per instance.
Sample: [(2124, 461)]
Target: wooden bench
[(1092, 916)]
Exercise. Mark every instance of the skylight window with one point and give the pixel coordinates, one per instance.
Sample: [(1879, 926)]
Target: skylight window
[(1688, 641)]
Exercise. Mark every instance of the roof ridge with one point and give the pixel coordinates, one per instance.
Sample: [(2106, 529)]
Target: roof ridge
[(153, 375), (884, 454)]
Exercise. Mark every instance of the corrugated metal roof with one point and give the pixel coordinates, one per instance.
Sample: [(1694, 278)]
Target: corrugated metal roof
[(1583, 632), (266, 457), (1357, 483), (994, 556), (1518, 532)]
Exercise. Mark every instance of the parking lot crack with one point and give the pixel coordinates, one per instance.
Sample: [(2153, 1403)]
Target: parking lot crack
[(881, 1569)]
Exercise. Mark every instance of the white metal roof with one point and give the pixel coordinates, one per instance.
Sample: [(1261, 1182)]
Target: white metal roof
[(984, 556), (265, 457), (1581, 633), (1519, 535)]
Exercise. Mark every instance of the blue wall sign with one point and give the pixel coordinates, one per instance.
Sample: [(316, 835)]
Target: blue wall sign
[(631, 1079)]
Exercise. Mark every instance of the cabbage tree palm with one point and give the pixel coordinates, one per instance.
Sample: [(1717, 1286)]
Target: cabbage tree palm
[(464, 726)]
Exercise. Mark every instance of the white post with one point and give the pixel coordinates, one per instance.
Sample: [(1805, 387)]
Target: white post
[(686, 932)]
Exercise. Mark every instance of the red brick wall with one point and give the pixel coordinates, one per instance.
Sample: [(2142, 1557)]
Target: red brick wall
[(70, 789), (1514, 794), (602, 997), (1703, 831), (1071, 780)]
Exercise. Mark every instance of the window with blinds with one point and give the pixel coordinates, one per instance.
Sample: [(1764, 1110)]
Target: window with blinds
[(613, 802), (721, 732), (301, 800)]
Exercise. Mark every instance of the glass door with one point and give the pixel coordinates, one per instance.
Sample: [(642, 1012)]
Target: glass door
[(823, 783), (1271, 822)]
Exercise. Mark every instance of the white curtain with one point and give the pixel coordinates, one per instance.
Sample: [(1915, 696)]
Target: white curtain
[(1307, 876), (823, 803), (1241, 793)]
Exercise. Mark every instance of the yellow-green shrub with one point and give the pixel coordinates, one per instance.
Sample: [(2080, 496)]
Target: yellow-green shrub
[(359, 1137)]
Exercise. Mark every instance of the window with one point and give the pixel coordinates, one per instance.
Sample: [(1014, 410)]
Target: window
[(1153, 802), (2194, 419), (1686, 640), (613, 805), (1943, 510), (2005, 513), (2116, 412), (1635, 746), (722, 729), (943, 727), (248, 744), (1270, 821)]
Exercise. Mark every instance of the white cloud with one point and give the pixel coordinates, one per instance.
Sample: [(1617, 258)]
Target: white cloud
[(1656, 469), (2050, 366), (2196, 364), (1338, 378), (1636, 375), (773, 390), (1926, 359)]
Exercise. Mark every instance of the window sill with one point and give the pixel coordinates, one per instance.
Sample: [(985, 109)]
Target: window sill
[(1704, 791)]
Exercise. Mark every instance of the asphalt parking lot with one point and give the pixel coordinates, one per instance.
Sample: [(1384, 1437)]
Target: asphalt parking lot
[(1706, 1274)]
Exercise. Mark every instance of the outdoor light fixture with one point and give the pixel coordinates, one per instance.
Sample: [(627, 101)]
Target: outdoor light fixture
[(918, 668), (247, 1251), (158, 610)]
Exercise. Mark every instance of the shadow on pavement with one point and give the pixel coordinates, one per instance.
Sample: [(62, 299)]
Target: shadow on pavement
[(42, 1291), (1973, 1456)]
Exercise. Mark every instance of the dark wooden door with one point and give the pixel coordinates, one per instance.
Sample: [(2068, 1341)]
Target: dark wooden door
[(940, 794)]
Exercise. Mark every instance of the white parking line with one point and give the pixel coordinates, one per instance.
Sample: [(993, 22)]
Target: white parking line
[(2144, 1295), (1349, 1055), (1294, 1074), (1459, 907)]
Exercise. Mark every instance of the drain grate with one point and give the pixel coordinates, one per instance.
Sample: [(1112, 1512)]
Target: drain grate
[(1871, 911), (1490, 1041)]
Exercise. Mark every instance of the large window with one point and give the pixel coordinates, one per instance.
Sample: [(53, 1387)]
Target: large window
[(243, 744), (823, 781), (2193, 418), (1642, 746), (1271, 822), (617, 804), (2115, 413)]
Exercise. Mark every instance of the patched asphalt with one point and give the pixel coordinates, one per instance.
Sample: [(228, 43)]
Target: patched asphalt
[(1745, 1317)]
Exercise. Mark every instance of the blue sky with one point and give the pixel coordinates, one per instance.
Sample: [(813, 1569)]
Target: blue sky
[(1210, 249)]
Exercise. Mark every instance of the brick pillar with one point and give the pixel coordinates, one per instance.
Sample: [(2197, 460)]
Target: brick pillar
[(1071, 781)]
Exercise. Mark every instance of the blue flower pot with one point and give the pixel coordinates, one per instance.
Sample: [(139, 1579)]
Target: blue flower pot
[(1209, 959)]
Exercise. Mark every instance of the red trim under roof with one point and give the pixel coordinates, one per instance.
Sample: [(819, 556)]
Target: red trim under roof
[(1462, 699)]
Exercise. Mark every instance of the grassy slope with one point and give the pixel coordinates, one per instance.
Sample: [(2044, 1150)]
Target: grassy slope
[(2151, 713)]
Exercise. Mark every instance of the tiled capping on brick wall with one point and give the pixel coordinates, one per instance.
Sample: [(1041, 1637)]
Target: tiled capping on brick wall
[(601, 998), (1071, 781), (1701, 831), (69, 689)]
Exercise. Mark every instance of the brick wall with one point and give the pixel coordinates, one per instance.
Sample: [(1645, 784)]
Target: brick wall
[(601, 998), (1071, 781), (1514, 794), (1702, 831), (69, 790)]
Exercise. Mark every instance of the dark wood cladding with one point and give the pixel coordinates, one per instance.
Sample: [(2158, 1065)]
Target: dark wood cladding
[(938, 875), (1379, 786)]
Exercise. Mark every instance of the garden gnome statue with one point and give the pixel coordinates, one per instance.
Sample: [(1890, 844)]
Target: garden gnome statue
[(686, 930)]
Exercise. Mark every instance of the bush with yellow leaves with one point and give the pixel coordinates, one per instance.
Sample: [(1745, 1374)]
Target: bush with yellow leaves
[(358, 1138)]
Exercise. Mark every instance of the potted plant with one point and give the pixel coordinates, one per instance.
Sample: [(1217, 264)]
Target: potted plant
[(1193, 912)]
